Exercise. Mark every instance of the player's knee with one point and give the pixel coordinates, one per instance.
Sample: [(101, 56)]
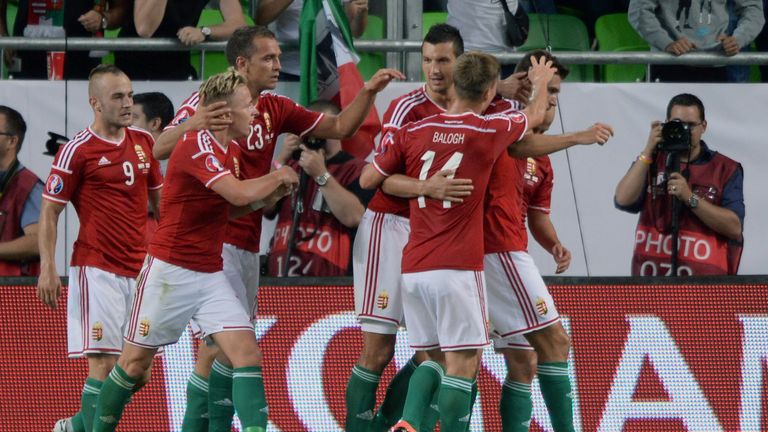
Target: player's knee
[(135, 367), (376, 358), (521, 365), (100, 365), (246, 355), (561, 341)]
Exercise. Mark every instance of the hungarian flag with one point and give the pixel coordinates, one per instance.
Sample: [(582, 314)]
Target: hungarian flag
[(328, 67)]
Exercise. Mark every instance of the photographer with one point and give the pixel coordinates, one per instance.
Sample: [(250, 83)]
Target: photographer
[(329, 205), (708, 188)]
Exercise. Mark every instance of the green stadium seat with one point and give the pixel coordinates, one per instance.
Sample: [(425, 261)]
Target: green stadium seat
[(562, 33), (428, 19), (371, 62), (10, 15), (215, 61), (614, 34)]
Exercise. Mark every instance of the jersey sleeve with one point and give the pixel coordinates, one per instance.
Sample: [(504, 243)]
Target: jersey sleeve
[(66, 173), (510, 128), (203, 164), (297, 119), (155, 180), (541, 199), (392, 159), (187, 110)]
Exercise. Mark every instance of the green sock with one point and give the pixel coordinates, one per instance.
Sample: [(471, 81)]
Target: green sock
[(77, 421), (556, 389), (115, 391), (454, 403), (391, 408), (196, 415), (515, 406), (221, 407), (361, 399), (432, 416), (88, 399), (249, 397), (424, 382), (472, 399)]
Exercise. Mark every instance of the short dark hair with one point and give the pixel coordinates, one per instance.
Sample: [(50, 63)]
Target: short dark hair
[(155, 105), (444, 33), (325, 106), (473, 74), (527, 61), (686, 99), (15, 124), (240, 43)]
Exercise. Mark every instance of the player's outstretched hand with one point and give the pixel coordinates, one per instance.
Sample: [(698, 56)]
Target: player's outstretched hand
[(211, 116), (49, 288), (442, 186), (562, 257), (381, 78), (541, 71), (598, 133)]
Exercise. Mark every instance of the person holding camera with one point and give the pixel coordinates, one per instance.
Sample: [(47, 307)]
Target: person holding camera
[(315, 228), (707, 187)]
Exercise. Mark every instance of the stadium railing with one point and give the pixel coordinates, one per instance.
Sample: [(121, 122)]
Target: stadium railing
[(400, 48)]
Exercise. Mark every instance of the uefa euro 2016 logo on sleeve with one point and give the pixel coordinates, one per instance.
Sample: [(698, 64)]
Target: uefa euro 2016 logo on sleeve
[(54, 185), (213, 164)]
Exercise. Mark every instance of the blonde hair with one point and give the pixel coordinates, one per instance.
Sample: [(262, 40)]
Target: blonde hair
[(221, 86), (473, 74)]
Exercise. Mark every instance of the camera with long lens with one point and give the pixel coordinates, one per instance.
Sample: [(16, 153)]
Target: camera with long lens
[(311, 143), (675, 137)]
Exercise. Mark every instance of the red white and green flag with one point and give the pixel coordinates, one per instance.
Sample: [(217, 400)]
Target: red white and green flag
[(328, 67)]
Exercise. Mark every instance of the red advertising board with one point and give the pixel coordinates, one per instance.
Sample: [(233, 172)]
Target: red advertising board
[(645, 357)]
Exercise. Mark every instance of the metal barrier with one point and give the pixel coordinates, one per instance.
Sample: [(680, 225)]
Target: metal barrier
[(383, 45)]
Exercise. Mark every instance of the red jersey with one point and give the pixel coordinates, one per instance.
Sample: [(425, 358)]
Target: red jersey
[(107, 182), (408, 108), (194, 218), (445, 235), (276, 115)]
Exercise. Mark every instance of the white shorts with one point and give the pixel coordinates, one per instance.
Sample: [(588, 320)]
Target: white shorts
[(169, 296), (376, 257), (98, 305), (241, 268), (445, 309), (518, 299)]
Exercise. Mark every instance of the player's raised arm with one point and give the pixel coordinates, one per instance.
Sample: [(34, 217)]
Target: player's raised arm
[(349, 120), (212, 117), (539, 75)]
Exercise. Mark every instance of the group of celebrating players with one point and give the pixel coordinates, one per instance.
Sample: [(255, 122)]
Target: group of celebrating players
[(458, 168)]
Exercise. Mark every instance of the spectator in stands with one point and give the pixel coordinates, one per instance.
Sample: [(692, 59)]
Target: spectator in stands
[(709, 187), (286, 17), (761, 43), (677, 29), (172, 19), (482, 24), (20, 195), (330, 209), (70, 18)]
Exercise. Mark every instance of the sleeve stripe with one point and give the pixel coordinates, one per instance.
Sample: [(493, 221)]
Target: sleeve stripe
[(314, 125), (405, 106), (378, 168), (56, 200), (69, 150), (216, 178), (541, 209), (65, 171), (155, 187)]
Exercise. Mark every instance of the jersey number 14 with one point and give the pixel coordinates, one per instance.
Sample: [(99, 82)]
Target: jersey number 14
[(451, 164)]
